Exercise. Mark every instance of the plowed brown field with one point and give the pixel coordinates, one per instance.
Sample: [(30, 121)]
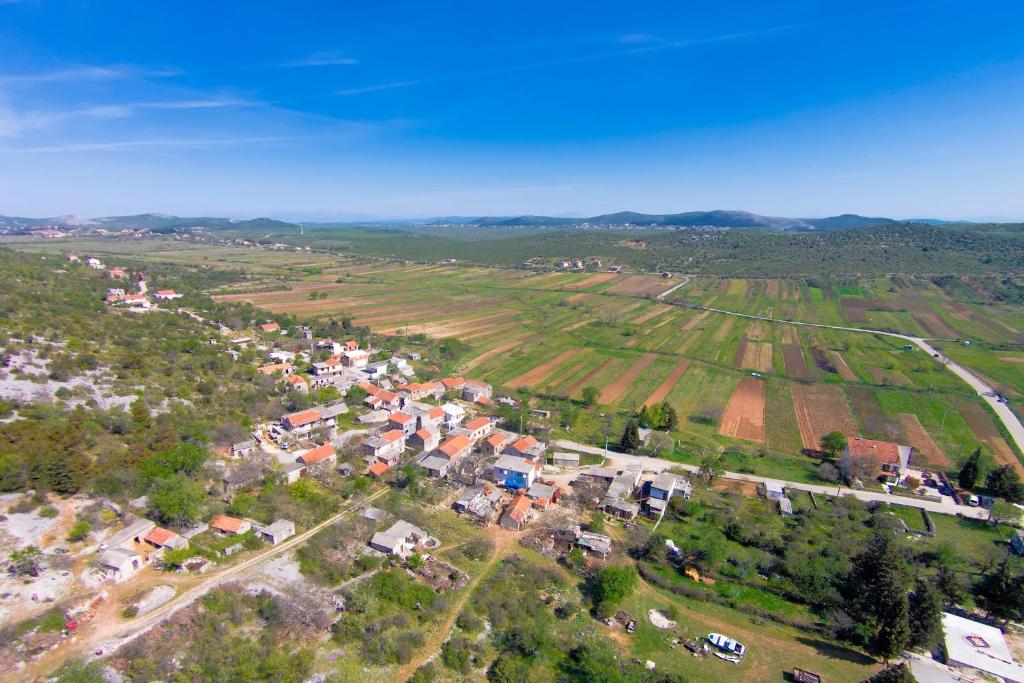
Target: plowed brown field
[(744, 414), (981, 424), (845, 370), (922, 442), (820, 409), (793, 358)]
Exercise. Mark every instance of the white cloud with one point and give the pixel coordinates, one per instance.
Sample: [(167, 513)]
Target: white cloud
[(158, 143), (375, 88), (329, 58)]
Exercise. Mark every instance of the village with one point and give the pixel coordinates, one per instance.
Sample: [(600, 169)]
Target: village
[(367, 419)]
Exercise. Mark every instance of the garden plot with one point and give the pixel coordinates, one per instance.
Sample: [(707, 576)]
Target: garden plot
[(820, 409), (540, 372), (659, 394), (916, 436), (981, 424), (744, 414)]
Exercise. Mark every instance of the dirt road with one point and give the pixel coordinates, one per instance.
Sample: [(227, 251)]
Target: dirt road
[(107, 635)]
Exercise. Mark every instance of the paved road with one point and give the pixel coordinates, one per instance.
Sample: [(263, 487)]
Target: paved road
[(1006, 416), (620, 460)]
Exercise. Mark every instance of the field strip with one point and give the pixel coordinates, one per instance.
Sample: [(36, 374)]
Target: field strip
[(537, 374), (820, 409), (476, 362), (592, 280), (577, 325), (653, 313), (844, 369), (659, 394), (694, 321), (614, 390), (582, 381), (554, 380), (922, 442), (744, 413)]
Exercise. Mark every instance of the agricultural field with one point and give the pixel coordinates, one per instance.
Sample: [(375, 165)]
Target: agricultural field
[(555, 334)]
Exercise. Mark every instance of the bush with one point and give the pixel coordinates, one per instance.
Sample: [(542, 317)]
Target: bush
[(79, 530), (48, 512)]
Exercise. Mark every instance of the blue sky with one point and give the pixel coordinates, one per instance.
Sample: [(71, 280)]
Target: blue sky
[(342, 109)]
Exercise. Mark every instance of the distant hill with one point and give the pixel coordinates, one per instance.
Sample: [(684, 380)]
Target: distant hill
[(146, 221), (714, 219)]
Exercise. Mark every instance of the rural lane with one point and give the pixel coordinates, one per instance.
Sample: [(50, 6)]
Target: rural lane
[(118, 634), (620, 460), (988, 394)]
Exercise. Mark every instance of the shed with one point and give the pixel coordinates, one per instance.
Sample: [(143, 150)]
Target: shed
[(565, 459), (278, 531)]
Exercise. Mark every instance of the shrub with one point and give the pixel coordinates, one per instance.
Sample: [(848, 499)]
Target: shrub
[(79, 530)]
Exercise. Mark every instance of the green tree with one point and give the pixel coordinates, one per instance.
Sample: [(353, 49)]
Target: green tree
[(671, 421), (894, 630), (968, 476), (630, 441), (611, 585), (1004, 482), (833, 443), (177, 500), (949, 584), (925, 615), (590, 395), (710, 469), (1001, 592)]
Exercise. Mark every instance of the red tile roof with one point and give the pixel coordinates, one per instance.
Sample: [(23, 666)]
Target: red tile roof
[(435, 412), (161, 536), (379, 468), (301, 418), (453, 382), (371, 389), (393, 435), (519, 507), (296, 379), (525, 443), (477, 423), (885, 451), (455, 444), (270, 327), (400, 418), (498, 440), (225, 523), (274, 367), (318, 454), (425, 434), (165, 292)]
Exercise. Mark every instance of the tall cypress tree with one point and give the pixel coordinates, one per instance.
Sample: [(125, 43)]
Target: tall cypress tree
[(969, 472), (925, 615), (630, 438)]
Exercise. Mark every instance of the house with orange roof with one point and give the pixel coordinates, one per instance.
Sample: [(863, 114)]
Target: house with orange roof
[(477, 428), (404, 422), (517, 514), (386, 447), (297, 382), (382, 399), (456, 446), (166, 295), (889, 459), (351, 345), (425, 439), (270, 327), (230, 525), (496, 442), (301, 423), (284, 368), (453, 383), (378, 469), (319, 458), (527, 447), (161, 538), (326, 368), (418, 390), (117, 274)]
